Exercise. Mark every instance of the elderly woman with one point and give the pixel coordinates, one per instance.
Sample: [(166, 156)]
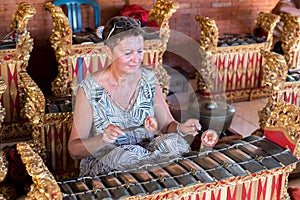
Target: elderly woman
[(113, 105)]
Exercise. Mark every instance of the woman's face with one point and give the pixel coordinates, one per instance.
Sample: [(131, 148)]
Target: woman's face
[(128, 54)]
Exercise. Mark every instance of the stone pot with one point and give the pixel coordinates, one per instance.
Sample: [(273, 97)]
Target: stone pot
[(216, 115)]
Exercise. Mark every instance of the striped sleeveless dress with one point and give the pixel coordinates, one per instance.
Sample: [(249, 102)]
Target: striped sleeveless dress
[(138, 146)]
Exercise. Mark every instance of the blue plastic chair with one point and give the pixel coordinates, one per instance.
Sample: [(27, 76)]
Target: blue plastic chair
[(74, 12)]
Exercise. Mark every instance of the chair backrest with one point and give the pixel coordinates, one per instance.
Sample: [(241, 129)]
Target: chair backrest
[(74, 12)]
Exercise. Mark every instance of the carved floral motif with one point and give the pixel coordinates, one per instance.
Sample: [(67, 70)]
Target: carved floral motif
[(44, 184), (274, 70), (291, 39)]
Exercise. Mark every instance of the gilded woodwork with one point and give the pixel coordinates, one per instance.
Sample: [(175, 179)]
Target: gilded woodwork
[(161, 12), (274, 70), (289, 92), (290, 39), (209, 34), (265, 112), (3, 165), (20, 20), (280, 115), (34, 109), (43, 124), (232, 72), (61, 42), (268, 22), (206, 73), (208, 43), (2, 109), (44, 184), (273, 75), (13, 61)]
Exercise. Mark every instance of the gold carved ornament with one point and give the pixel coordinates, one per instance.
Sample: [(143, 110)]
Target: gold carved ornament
[(278, 113), (161, 13), (274, 70), (206, 74), (268, 22), (34, 110), (17, 59), (290, 38), (61, 42), (3, 165), (2, 109), (209, 34), (21, 54), (274, 73), (24, 42), (44, 184), (208, 41), (286, 116)]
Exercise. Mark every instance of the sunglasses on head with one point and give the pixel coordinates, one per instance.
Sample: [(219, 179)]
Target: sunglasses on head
[(123, 24)]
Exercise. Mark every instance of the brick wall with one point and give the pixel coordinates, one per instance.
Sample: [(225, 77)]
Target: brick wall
[(232, 16)]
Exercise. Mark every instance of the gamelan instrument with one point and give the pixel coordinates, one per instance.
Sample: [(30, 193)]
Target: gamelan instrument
[(251, 168)]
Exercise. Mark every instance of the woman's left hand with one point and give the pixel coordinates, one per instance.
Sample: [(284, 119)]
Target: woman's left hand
[(191, 126)]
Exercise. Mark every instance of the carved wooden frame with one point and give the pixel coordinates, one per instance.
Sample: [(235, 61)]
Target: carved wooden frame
[(13, 62), (291, 40), (211, 70)]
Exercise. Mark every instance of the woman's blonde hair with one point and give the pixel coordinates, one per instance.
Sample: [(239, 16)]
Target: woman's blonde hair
[(119, 27)]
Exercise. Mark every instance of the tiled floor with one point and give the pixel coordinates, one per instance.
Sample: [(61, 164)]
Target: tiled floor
[(245, 120)]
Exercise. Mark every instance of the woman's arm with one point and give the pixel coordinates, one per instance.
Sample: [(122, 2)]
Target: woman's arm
[(162, 112), (80, 145)]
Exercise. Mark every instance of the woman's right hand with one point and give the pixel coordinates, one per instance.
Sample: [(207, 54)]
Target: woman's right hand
[(111, 133)]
